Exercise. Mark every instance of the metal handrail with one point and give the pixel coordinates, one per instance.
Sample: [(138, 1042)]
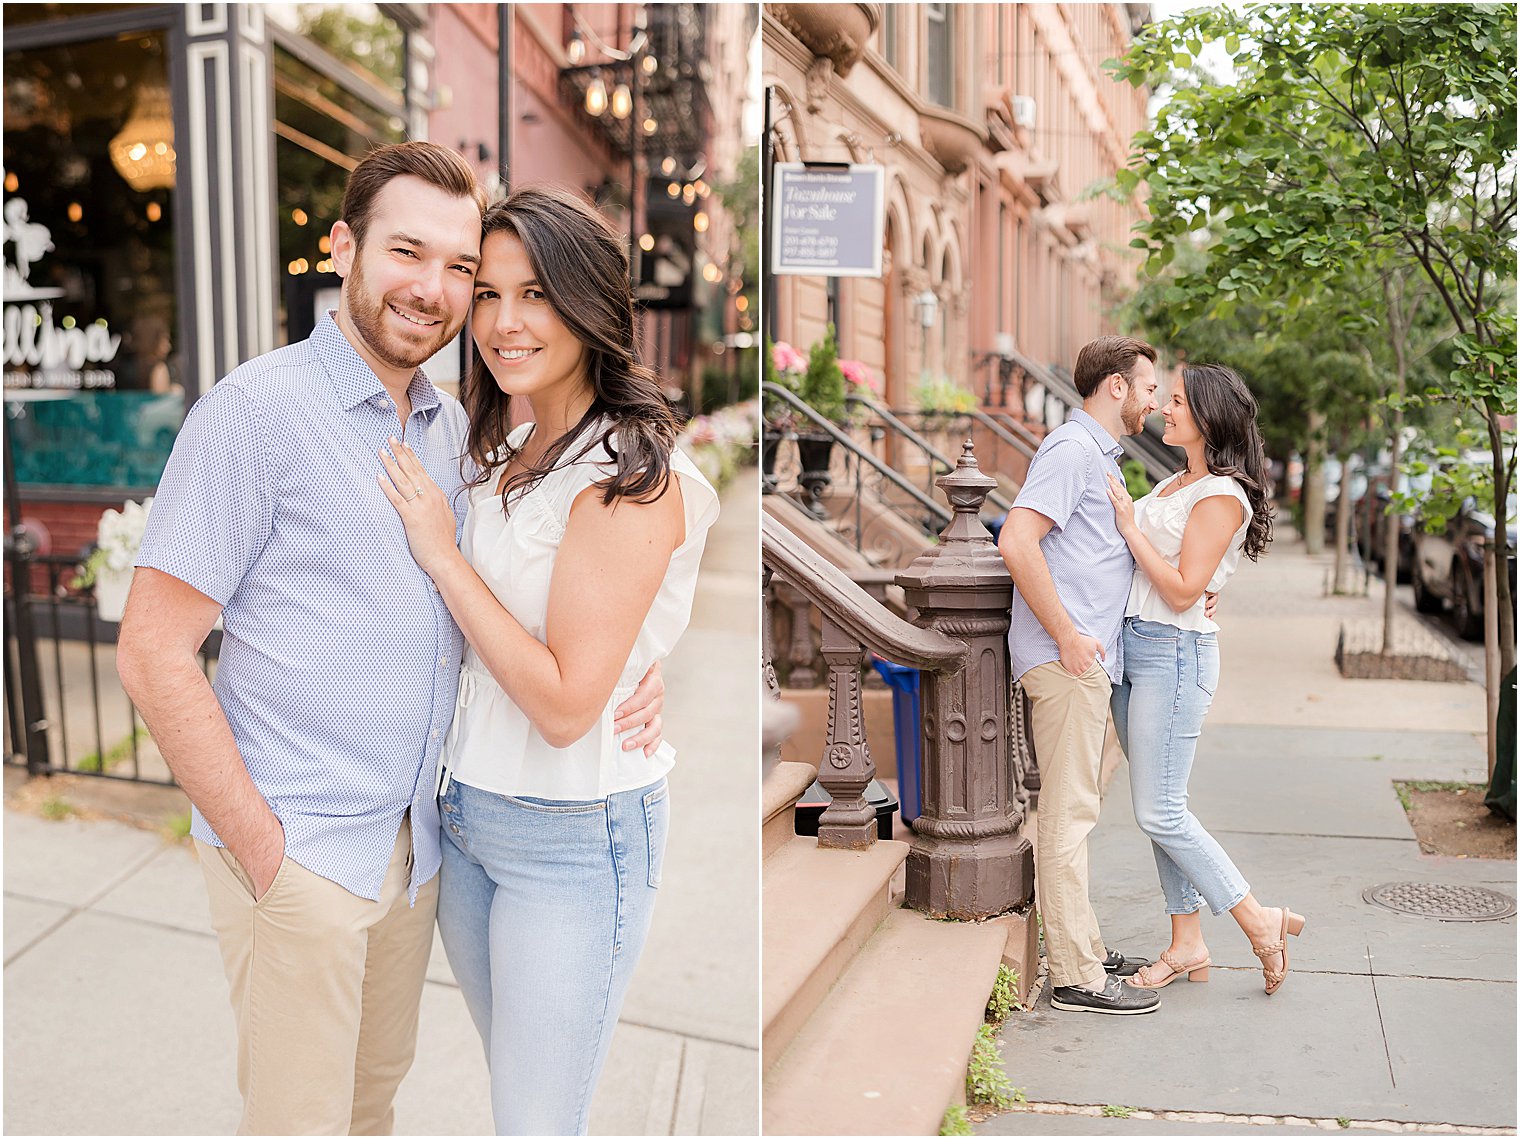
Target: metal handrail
[(940, 513), (1144, 448), (923, 444), (854, 610), (1004, 431)]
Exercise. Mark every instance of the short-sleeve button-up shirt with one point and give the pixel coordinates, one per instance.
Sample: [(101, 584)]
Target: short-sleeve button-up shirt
[(1089, 561), (339, 664)]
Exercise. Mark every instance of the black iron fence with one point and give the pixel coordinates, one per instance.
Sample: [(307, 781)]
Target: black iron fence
[(65, 709)]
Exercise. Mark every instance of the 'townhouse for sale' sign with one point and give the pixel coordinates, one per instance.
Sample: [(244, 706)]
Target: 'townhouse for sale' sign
[(827, 221)]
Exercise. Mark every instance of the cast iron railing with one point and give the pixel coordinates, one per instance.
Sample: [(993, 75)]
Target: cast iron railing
[(969, 859), (892, 423), (55, 715), (863, 472)]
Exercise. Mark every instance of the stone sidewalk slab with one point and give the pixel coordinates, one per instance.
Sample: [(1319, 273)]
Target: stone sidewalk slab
[(1315, 1049), (69, 861), (1319, 877), (115, 1026), (1452, 1048), (1040, 1123)]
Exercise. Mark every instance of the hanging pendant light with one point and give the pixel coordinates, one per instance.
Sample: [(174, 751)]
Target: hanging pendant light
[(143, 150), (596, 96)]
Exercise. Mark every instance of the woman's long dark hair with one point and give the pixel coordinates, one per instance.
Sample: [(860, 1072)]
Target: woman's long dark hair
[(582, 267), (1225, 411)]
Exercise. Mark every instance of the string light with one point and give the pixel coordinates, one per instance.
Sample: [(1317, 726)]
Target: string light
[(651, 125), (76, 211), (596, 97), (699, 222), (154, 211), (622, 101), (298, 215), (646, 242)]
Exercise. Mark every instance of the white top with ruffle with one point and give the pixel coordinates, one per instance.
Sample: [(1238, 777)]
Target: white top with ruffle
[(492, 744), (1163, 520)]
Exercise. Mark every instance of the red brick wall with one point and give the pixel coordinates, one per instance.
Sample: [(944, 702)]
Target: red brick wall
[(60, 528)]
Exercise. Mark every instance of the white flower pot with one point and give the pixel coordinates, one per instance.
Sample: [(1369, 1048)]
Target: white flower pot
[(111, 587)]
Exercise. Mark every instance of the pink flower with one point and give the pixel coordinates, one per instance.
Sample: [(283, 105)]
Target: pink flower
[(787, 359), (860, 375)]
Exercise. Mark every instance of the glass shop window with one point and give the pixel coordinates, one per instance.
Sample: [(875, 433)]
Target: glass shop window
[(93, 381), (322, 130)]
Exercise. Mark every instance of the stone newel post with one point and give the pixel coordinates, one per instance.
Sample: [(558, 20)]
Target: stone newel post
[(968, 859)]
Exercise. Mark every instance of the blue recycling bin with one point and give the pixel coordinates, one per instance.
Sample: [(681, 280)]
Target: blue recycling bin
[(906, 715)]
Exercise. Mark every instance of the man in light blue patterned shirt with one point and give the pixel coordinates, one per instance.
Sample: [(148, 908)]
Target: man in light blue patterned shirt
[(1071, 572), (310, 760)]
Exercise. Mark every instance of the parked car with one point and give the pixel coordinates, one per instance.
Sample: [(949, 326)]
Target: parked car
[(1447, 568), (1357, 480), (1372, 522)]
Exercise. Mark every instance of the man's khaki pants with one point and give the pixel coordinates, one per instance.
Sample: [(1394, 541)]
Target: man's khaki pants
[(1068, 715), (326, 988)]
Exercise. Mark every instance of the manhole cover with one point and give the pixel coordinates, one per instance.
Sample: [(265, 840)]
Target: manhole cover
[(1445, 903)]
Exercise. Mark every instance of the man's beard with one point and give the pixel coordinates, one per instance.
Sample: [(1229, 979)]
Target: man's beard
[(367, 312), (1131, 414)]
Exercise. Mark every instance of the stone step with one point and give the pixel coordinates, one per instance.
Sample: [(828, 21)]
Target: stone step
[(778, 803), (847, 1072), (818, 909)]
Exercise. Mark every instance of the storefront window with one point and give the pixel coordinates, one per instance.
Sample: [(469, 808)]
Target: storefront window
[(360, 36), (92, 373), (322, 129)]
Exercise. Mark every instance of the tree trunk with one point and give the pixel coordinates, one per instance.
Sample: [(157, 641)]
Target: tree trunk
[(1398, 336), (1342, 527), (1313, 491), (1391, 532), (1502, 592)]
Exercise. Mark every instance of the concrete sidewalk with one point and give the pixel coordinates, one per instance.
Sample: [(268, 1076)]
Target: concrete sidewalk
[(116, 1014), (1384, 1016)]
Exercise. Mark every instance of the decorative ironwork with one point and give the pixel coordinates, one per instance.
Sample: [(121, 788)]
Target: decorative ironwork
[(853, 622), (968, 859)]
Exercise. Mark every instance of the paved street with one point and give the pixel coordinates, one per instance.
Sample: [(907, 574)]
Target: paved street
[(116, 1015), (1384, 1016)]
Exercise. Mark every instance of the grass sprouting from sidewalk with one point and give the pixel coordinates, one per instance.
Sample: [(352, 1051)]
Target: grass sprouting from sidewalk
[(55, 808), (955, 1121), (95, 762), (987, 1081)]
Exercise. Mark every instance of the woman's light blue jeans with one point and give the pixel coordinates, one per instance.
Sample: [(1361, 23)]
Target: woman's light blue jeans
[(1169, 679), (544, 906)]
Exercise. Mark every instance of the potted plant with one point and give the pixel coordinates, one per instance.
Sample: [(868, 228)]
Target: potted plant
[(823, 389), (109, 567), (943, 407)]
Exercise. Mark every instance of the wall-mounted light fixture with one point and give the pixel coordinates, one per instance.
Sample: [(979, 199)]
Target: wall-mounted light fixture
[(928, 308)]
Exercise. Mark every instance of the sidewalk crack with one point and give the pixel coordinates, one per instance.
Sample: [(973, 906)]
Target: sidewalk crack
[(1382, 1029)]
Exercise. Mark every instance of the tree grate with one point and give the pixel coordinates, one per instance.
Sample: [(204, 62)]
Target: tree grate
[(1442, 902)]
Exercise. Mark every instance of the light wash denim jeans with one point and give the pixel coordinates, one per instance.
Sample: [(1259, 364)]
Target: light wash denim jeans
[(544, 906), (1169, 679)]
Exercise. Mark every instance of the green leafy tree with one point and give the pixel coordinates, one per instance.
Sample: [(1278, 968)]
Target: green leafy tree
[(1346, 134)]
